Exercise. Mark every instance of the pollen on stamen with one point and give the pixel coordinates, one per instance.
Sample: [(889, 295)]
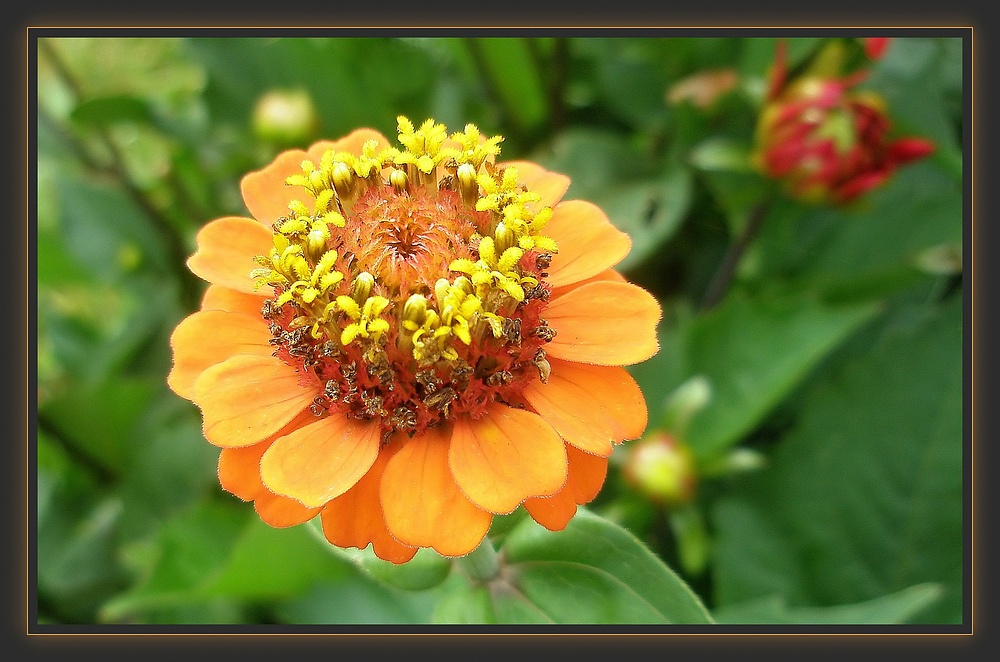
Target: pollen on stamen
[(414, 291)]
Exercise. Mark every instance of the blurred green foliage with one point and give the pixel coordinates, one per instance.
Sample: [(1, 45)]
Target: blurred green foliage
[(834, 360)]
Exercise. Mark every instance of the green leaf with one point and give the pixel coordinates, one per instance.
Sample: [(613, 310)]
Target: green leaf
[(170, 469), (895, 608), (564, 592), (55, 264), (870, 249), (466, 604), (101, 419), (395, 78), (629, 77), (76, 553), (107, 231), (754, 352), (922, 69), (737, 193), (357, 599), (425, 570), (514, 77), (111, 109), (592, 571), (194, 547), (721, 154), (270, 563), (864, 496), (605, 169), (650, 212)]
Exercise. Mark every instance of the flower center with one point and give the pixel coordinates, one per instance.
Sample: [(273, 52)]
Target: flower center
[(409, 239), (413, 289)]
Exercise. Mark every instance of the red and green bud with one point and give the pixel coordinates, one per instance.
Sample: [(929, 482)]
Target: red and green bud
[(827, 142)]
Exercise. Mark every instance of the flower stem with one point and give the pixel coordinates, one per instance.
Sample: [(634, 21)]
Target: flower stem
[(482, 564), (727, 268)]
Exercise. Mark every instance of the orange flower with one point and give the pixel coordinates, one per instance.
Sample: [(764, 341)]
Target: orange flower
[(409, 341)]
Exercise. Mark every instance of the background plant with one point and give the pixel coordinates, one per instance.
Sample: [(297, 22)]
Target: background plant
[(814, 392)]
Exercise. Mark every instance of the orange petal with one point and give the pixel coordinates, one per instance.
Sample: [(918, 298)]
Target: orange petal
[(506, 456), (587, 473), (604, 323), (239, 468), (322, 460), (608, 275), (280, 511), (226, 248), (590, 406), (422, 504), (550, 185), (355, 518), (588, 243), (239, 473), (247, 398), (265, 192), (217, 297), (585, 479), (209, 337)]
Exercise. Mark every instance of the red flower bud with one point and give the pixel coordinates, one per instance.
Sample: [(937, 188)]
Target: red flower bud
[(827, 142)]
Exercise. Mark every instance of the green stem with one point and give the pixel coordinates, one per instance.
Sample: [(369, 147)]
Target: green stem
[(727, 268), (482, 564)]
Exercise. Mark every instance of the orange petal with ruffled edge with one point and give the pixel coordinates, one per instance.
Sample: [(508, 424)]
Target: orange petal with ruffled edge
[(226, 251), (239, 468), (592, 407), (265, 192), (239, 473), (209, 337), (604, 323), (247, 398), (551, 186), (587, 241), (355, 518), (506, 456), (217, 297), (423, 505), (322, 460), (585, 479)]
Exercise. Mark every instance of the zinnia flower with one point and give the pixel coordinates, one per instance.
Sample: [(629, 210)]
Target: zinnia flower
[(827, 142), (409, 341)]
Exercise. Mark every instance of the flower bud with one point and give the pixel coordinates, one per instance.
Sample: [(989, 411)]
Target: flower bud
[(285, 117), (662, 469), (826, 142)]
